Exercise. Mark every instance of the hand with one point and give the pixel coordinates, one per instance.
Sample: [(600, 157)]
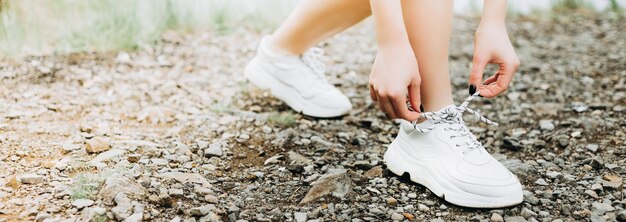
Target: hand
[(394, 74), (492, 46)]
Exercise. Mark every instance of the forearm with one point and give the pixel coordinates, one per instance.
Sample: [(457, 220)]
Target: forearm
[(390, 28), (494, 12)]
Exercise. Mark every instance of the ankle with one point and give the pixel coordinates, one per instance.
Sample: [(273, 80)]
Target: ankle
[(278, 49)]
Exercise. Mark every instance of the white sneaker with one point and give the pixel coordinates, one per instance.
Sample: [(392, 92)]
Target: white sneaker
[(444, 156), (299, 81)]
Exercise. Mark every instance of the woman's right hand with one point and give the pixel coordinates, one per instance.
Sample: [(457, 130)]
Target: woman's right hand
[(394, 75)]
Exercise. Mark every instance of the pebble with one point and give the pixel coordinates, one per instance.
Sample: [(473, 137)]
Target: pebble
[(412, 195), (515, 219), (97, 145), (30, 178), (495, 217), (397, 216), (601, 208), (300, 216), (82, 203), (592, 147), (391, 201), (546, 124), (422, 207), (202, 210), (541, 182), (215, 149)]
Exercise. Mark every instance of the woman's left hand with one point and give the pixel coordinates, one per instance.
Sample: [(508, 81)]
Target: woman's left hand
[(492, 46)]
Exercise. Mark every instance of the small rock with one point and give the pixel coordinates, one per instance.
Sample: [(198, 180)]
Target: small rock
[(215, 149), (612, 181), (337, 184), (553, 174), (300, 216), (376, 171), (546, 124), (515, 219), (97, 145), (408, 216), (272, 160), (123, 207), (495, 217), (541, 182), (591, 193), (601, 208), (120, 184), (298, 159), (596, 187), (176, 192), (30, 178), (202, 210), (12, 182), (396, 216), (422, 207), (82, 203), (592, 147), (137, 215), (392, 201), (412, 195)]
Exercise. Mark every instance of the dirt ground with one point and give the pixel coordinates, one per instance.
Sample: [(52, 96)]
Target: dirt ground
[(173, 132)]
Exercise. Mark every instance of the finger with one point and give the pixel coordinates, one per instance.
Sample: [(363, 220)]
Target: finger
[(415, 96), (386, 106), (492, 79), (476, 75), (505, 75), (401, 109), (372, 93)]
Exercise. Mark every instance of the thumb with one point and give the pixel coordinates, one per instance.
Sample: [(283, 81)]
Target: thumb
[(415, 96), (476, 76)]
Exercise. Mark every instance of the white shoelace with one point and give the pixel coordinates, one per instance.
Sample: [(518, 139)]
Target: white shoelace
[(454, 116), (312, 58)]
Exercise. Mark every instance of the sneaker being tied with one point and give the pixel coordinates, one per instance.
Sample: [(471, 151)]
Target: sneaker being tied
[(299, 81), (444, 156)]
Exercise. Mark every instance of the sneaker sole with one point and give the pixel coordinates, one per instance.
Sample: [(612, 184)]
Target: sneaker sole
[(286, 93), (400, 163)]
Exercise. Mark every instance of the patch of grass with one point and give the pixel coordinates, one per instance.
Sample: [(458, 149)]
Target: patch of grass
[(86, 185), (284, 119), (63, 26), (571, 5)]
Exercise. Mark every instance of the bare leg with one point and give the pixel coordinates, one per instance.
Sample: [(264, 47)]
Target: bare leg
[(315, 20), (429, 25)]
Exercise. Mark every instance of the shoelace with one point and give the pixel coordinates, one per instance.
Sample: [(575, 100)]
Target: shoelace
[(454, 115), (312, 58)]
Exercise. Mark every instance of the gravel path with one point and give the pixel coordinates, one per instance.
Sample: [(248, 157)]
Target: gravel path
[(174, 132)]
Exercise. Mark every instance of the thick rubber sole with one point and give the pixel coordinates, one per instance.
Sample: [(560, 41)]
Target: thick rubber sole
[(422, 172), (286, 93)]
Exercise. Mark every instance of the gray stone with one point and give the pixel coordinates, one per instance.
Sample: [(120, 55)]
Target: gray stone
[(518, 167), (82, 203), (30, 178), (123, 207), (120, 184), (338, 184), (202, 210), (396, 216), (298, 159), (541, 182), (515, 219), (592, 147), (215, 149), (546, 124), (300, 216), (601, 208), (137, 215), (495, 217)]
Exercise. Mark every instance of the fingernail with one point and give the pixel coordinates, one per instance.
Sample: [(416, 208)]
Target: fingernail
[(472, 89), (421, 108)]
